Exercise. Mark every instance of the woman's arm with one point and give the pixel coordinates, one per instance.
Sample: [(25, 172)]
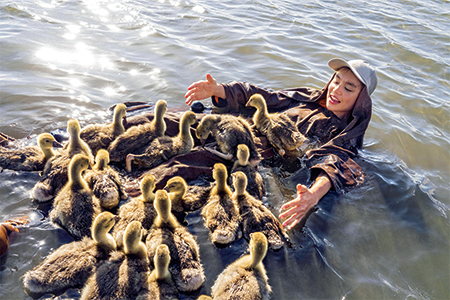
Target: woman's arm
[(236, 94), (306, 199)]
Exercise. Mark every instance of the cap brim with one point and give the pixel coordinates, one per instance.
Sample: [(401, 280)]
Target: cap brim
[(337, 63)]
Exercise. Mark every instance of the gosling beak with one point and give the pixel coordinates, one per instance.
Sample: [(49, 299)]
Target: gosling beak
[(203, 142), (57, 144), (166, 188), (124, 121), (117, 218), (247, 104)]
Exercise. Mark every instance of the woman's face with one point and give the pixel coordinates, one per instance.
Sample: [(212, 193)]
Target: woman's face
[(343, 91)]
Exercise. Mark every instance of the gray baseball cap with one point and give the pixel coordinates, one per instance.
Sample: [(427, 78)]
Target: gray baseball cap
[(362, 70)]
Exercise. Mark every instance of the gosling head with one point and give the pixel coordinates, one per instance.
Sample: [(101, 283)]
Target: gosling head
[(100, 228), (101, 159), (132, 240), (243, 154), (204, 128), (103, 223), (188, 118), (73, 127), (256, 101), (220, 173), (79, 163), (161, 261), (147, 188), (239, 183), (119, 118), (258, 248), (120, 111), (46, 142), (160, 108), (176, 185), (162, 204)]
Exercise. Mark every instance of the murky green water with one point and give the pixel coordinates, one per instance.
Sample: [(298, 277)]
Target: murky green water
[(387, 239)]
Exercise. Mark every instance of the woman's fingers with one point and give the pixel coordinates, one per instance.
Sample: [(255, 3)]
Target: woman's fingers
[(292, 221), (290, 204), (288, 212)]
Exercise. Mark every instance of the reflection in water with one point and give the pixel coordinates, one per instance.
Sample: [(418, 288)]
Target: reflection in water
[(79, 56)]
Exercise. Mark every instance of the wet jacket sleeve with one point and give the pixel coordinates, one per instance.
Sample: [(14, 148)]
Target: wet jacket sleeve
[(337, 163)]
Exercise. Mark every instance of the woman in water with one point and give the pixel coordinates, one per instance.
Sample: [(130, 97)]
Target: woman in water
[(335, 116)]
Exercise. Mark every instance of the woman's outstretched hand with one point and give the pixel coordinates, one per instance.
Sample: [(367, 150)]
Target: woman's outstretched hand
[(204, 89), (306, 199), (296, 209)]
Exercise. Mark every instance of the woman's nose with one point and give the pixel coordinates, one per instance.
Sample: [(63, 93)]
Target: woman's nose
[(338, 88)]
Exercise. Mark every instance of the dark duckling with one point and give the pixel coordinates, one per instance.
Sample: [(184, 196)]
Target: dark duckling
[(100, 136), (54, 176), (246, 278), (125, 274), (221, 213), (255, 181), (229, 131), (140, 209), (280, 131), (186, 198), (185, 265), (255, 216), (136, 138), (163, 148), (75, 207), (105, 182), (70, 265), (31, 158)]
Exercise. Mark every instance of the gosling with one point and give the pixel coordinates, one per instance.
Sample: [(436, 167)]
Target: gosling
[(140, 209), (54, 176), (125, 274), (136, 138), (160, 283), (255, 184), (105, 182), (255, 216), (229, 131), (75, 207), (163, 148), (280, 131), (245, 278), (185, 265), (70, 265), (221, 213), (31, 158), (100, 136), (186, 198)]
